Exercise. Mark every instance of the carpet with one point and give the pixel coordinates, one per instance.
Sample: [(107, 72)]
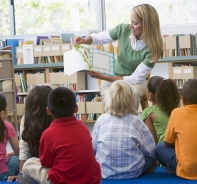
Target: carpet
[(157, 177)]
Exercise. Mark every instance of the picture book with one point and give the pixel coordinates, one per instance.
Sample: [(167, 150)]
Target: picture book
[(82, 58)]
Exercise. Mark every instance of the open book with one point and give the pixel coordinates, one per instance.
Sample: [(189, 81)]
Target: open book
[(81, 58)]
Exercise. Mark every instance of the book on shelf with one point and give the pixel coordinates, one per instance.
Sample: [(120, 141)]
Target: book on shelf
[(82, 58), (23, 83), (13, 43), (66, 37)]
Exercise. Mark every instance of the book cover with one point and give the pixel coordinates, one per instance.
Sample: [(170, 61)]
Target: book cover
[(13, 43), (86, 59)]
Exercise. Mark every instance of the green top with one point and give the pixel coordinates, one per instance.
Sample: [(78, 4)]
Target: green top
[(161, 120), (128, 58)]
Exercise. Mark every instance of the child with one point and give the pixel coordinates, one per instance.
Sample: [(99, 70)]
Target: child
[(66, 153), (33, 123), (123, 145), (9, 163), (164, 95), (178, 152)]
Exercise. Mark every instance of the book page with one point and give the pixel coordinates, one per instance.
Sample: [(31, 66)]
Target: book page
[(83, 58), (102, 61), (74, 62)]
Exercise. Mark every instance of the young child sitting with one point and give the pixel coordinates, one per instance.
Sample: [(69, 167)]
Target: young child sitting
[(9, 162), (178, 152), (164, 95), (66, 152), (123, 145)]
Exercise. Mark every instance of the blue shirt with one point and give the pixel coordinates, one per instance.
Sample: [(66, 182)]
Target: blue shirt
[(121, 146)]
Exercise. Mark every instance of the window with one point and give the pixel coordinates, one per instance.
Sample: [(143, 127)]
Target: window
[(170, 12), (4, 18), (48, 16)]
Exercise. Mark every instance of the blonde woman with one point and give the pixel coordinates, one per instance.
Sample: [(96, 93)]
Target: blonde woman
[(123, 145), (140, 46)]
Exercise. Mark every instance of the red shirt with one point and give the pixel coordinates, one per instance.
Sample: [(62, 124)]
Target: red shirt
[(66, 148)]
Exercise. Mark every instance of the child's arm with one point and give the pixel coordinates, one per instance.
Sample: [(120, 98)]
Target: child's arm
[(15, 145), (172, 145), (149, 123), (10, 154), (21, 165)]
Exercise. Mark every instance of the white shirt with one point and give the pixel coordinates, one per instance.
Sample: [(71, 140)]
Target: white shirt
[(23, 145)]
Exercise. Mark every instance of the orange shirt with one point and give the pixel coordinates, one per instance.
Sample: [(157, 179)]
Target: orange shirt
[(182, 130)]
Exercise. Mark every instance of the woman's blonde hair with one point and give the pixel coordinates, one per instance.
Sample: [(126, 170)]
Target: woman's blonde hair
[(121, 99), (151, 33)]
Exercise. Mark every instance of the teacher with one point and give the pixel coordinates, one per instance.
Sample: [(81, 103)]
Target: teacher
[(140, 46)]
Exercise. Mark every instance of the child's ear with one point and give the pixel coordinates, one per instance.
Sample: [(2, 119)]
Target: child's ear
[(150, 96), (48, 111), (76, 109)]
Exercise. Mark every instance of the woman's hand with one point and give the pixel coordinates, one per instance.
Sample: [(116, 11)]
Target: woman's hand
[(95, 74), (78, 40), (12, 178)]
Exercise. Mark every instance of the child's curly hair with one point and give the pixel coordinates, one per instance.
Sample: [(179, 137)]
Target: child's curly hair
[(167, 96)]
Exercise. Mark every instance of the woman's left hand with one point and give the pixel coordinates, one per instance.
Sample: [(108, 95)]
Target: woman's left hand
[(95, 74)]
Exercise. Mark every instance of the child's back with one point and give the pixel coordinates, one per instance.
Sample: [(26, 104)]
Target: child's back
[(181, 135), (164, 95), (66, 147), (66, 152), (122, 143)]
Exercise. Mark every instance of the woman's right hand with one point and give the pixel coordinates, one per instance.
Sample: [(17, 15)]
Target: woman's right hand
[(79, 40)]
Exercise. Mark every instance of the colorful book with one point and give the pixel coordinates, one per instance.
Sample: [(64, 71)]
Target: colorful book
[(86, 59)]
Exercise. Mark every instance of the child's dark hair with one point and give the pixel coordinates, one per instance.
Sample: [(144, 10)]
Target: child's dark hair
[(167, 96), (189, 91), (3, 105), (62, 102), (36, 119), (153, 83)]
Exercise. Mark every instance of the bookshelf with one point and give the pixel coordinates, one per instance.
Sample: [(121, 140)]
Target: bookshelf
[(7, 82), (59, 78), (192, 60)]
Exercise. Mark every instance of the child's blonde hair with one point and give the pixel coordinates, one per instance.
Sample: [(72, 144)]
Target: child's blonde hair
[(121, 99), (151, 34)]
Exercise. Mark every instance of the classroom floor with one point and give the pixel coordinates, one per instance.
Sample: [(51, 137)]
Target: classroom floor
[(157, 177)]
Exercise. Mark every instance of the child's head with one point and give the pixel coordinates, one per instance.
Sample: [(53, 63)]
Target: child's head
[(121, 99), (3, 107), (189, 92), (3, 115), (36, 119), (151, 87), (167, 96), (62, 103)]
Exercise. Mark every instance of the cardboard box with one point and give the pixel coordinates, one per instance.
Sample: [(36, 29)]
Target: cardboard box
[(184, 72), (94, 107)]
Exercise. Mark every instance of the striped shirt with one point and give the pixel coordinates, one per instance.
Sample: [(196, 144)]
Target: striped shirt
[(124, 147)]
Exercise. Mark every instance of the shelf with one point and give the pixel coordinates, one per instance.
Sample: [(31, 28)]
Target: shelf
[(178, 59), (88, 91), (22, 94), (1, 80), (38, 66), (8, 91)]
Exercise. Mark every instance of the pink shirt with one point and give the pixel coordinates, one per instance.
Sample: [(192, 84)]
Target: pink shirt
[(10, 134)]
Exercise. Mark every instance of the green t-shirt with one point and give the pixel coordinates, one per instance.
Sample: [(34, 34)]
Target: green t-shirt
[(128, 58), (161, 120)]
